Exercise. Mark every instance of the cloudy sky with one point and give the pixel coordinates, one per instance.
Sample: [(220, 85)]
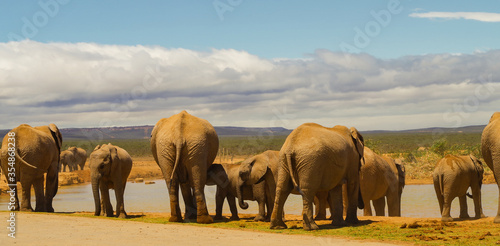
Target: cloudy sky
[(375, 65)]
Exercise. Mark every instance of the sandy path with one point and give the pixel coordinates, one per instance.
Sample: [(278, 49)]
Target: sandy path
[(45, 229)]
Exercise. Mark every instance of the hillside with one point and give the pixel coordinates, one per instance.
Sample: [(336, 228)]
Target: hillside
[(144, 132)]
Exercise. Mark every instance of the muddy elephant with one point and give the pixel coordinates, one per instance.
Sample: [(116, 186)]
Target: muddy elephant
[(27, 154), (253, 179), (490, 148), (110, 167), (73, 157), (381, 178), (184, 147), (317, 159), (452, 176)]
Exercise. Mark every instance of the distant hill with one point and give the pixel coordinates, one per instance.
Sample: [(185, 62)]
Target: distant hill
[(144, 132)]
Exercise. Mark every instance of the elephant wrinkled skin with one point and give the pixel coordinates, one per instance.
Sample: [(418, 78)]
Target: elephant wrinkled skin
[(318, 159), (73, 157), (37, 152), (380, 178), (452, 176), (110, 167), (184, 147), (490, 148), (253, 179)]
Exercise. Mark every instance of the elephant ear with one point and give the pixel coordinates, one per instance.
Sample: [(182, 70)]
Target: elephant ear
[(358, 141), (259, 168), (478, 165), (56, 134)]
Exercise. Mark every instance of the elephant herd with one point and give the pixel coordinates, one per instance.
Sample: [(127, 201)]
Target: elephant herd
[(328, 167)]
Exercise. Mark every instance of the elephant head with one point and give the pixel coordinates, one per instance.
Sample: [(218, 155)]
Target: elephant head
[(252, 171), (101, 164)]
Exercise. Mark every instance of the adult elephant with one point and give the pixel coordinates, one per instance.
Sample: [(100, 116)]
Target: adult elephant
[(73, 157), (490, 148), (380, 178), (253, 179), (452, 176), (32, 152), (184, 146), (317, 159), (110, 167)]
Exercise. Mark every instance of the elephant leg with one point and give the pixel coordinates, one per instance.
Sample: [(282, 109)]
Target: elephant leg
[(307, 211), (352, 193), (478, 207), (106, 203), (393, 204), (445, 214), (464, 214), (26, 195), (379, 205), (173, 191), (189, 204), (219, 203), (283, 189), (120, 206), (259, 193), (335, 199), (321, 205), (198, 179), (496, 174), (439, 196), (269, 203), (231, 200), (51, 186), (367, 211), (40, 198)]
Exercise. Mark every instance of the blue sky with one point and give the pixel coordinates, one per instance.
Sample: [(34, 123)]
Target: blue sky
[(279, 62)]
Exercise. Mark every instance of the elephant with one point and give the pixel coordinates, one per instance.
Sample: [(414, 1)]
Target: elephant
[(253, 179), (316, 159), (184, 146), (27, 154), (110, 167), (490, 148), (73, 157), (452, 176), (380, 178)]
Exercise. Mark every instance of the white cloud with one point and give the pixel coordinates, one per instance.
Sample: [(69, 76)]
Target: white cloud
[(478, 16), (88, 85)]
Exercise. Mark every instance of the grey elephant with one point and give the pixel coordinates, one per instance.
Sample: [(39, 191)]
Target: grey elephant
[(253, 179), (184, 147), (110, 167), (27, 154), (490, 148), (452, 176), (381, 178), (73, 157), (335, 154)]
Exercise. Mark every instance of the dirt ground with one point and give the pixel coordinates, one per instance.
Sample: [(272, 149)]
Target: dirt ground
[(57, 229)]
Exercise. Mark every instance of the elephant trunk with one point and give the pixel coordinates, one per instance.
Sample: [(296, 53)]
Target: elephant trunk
[(239, 194), (95, 191), (361, 204)]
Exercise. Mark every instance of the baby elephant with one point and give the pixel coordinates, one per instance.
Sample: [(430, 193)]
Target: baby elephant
[(452, 177), (109, 169)]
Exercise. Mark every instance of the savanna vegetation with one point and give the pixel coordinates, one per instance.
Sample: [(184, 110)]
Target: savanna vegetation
[(419, 151)]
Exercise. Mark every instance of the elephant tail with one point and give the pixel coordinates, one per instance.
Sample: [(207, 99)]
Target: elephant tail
[(293, 173), (440, 181), (22, 161), (469, 195), (178, 149)]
